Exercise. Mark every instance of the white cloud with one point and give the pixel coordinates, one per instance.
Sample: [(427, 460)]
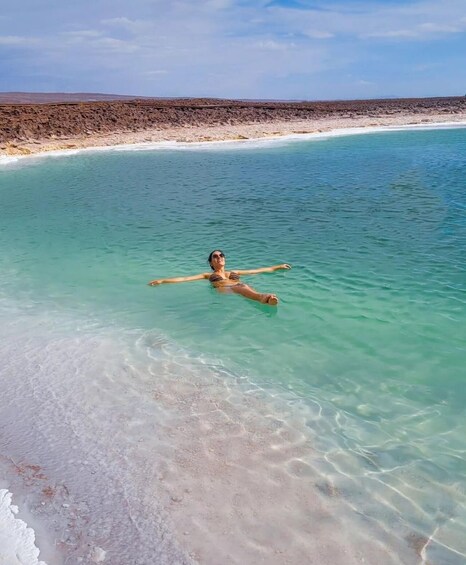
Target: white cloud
[(127, 24), (315, 34), (17, 40), (419, 32), (272, 45), (430, 27), (421, 20), (115, 46), (392, 34), (224, 47), (95, 40), (81, 35), (122, 21)]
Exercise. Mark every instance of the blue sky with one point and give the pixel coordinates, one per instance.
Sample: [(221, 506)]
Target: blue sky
[(279, 49)]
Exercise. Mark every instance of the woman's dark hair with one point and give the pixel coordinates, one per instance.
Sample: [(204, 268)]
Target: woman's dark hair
[(209, 260)]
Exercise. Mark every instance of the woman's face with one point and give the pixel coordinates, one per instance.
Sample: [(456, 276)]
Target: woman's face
[(217, 260)]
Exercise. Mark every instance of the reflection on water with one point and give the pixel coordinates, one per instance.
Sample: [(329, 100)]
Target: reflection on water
[(354, 384)]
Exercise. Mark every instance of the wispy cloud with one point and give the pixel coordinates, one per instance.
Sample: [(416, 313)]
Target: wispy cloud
[(259, 48), (156, 72), (17, 40), (272, 45), (316, 34), (411, 20)]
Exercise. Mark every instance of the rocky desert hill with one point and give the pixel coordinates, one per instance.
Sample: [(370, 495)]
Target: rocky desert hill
[(57, 97), (65, 118)]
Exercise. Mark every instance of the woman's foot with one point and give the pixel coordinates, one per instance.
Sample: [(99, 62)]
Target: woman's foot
[(270, 299)]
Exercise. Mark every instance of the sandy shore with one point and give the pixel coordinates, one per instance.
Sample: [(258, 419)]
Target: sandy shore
[(195, 134), (32, 129)]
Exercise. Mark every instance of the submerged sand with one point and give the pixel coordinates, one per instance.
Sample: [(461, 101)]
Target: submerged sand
[(210, 468)]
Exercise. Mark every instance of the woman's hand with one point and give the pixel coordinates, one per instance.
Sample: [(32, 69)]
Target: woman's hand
[(284, 266), (155, 282)]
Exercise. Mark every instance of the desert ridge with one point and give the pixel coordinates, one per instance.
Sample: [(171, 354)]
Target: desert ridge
[(58, 122)]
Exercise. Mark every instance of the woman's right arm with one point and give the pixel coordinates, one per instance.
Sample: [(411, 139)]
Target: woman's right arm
[(155, 282)]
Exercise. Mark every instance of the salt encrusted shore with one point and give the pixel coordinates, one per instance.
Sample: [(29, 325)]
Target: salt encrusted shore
[(17, 541), (27, 129)]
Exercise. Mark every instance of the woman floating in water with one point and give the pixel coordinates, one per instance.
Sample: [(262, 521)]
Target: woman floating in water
[(229, 281)]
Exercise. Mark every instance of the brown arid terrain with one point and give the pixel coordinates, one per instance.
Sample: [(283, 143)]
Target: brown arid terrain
[(43, 122)]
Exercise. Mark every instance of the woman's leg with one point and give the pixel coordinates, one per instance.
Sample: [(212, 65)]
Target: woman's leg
[(252, 294)]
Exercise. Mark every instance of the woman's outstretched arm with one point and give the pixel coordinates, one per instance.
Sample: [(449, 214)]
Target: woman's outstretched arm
[(179, 279), (264, 269)]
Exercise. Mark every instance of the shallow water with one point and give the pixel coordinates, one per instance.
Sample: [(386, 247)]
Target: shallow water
[(362, 363)]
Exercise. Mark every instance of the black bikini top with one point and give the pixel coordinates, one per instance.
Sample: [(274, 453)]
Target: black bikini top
[(214, 277)]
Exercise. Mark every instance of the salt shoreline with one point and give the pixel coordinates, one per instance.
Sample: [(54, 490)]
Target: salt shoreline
[(17, 540), (225, 133)]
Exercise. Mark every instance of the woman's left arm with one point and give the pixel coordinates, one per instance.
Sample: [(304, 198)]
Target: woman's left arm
[(263, 269)]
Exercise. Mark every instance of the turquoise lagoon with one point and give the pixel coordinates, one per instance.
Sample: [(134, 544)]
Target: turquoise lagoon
[(369, 338)]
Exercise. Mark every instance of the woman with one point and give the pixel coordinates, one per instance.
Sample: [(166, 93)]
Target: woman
[(229, 281)]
